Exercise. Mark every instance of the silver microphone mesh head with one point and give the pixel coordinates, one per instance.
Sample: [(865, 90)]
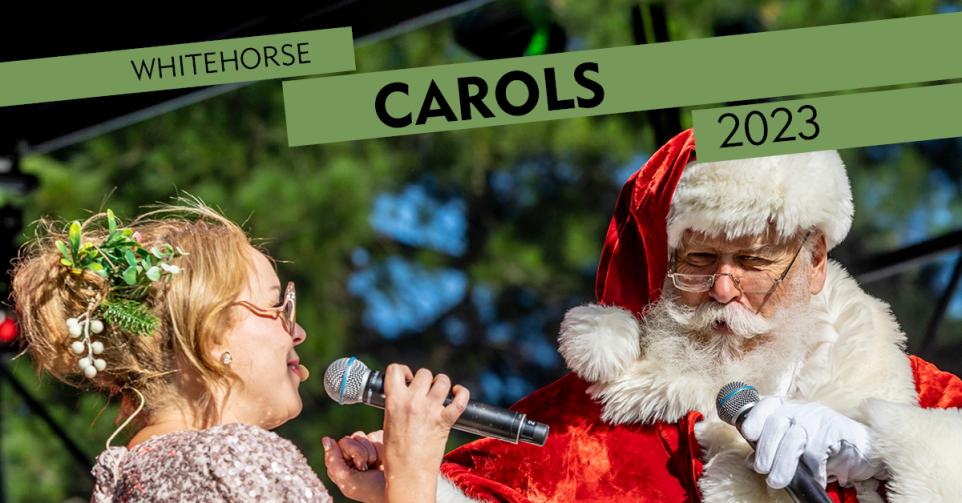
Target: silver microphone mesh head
[(732, 398), (344, 380)]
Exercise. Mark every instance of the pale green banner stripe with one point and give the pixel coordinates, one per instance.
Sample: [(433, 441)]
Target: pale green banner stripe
[(184, 65), (843, 121), (685, 73)]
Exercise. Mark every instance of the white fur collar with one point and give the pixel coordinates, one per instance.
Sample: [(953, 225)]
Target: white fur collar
[(860, 356)]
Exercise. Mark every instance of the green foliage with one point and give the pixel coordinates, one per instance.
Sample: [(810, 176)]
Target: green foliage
[(37, 468), (128, 315), (119, 257), (129, 266)]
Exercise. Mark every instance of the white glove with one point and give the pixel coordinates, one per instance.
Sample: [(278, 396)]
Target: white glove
[(834, 446)]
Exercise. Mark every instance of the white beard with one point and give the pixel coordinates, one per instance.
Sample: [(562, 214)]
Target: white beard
[(851, 352), (764, 352)]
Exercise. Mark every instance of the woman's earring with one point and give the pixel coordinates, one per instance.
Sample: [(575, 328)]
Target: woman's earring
[(226, 358)]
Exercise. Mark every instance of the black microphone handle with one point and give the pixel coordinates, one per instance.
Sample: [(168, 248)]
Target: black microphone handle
[(803, 488), (477, 418)]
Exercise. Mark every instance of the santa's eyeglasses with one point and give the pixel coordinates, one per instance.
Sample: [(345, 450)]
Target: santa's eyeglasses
[(748, 282)]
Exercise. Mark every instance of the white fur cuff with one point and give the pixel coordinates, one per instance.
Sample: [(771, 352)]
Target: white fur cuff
[(449, 493), (920, 448)]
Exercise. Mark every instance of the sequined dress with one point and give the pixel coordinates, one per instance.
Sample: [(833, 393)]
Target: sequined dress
[(227, 463)]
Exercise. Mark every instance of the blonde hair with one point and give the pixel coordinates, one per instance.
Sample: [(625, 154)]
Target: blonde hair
[(193, 308)]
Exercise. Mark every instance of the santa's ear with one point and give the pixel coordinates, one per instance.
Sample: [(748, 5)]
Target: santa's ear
[(819, 264), (599, 342)]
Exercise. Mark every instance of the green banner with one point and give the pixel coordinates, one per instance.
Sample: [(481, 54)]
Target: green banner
[(608, 81), (176, 66), (831, 122)]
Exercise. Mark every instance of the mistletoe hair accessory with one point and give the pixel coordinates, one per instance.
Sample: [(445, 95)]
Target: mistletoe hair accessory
[(129, 270), (83, 326)]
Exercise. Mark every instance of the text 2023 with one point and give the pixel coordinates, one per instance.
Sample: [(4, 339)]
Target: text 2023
[(756, 126)]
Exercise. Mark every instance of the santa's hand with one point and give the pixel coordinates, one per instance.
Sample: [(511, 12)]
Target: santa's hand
[(834, 446)]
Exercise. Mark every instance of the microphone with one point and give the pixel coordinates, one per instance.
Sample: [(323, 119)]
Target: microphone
[(348, 380), (735, 400)]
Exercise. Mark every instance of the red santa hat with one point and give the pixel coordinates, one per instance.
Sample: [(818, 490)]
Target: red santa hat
[(673, 193)]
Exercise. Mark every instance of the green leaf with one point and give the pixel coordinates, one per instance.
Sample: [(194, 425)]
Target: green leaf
[(64, 251), (170, 268), (130, 258), (153, 273), (74, 236), (111, 221), (67, 262), (130, 275), (112, 240), (129, 315), (156, 252)]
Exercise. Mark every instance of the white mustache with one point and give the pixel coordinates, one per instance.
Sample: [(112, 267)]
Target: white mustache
[(742, 322)]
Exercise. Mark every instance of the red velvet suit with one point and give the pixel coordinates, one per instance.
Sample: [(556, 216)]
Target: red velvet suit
[(586, 460)]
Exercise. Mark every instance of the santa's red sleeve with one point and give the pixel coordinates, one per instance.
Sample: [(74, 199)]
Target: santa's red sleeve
[(920, 445), (584, 459), (937, 389)]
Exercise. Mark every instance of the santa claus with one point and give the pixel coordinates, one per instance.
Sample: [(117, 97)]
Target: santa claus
[(712, 273)]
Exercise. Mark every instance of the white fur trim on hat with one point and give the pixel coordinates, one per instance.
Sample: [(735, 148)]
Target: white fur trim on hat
[(742, 197), (599, 342)]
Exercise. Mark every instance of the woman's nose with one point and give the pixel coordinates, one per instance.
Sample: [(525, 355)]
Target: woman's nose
[(299, 334)]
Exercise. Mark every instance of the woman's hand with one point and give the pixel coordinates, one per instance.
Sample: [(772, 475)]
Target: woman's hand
[(416, 428), (354, 464)]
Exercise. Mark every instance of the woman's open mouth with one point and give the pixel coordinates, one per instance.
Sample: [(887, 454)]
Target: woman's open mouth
[(299, 370)]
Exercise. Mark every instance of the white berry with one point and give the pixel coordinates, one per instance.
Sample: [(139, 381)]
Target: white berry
[(74, 330), (97, 347), (85, 362), (72, 322), (96, 326), (90, 372), (77, 347), (100, 364)]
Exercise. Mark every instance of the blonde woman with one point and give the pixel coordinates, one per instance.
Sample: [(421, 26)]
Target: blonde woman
[(189, 324)]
